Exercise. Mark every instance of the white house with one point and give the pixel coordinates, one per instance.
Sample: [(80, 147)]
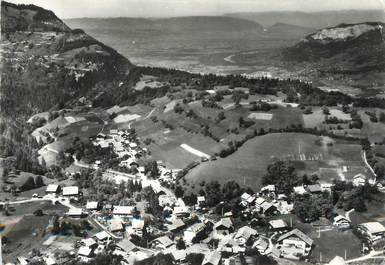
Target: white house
[(372, 231), (341, 222), (162, 242), (52, 188), (122, 210), (359, 180), (294, 244), (212, 258), (75, 212), (71, 191), (244, 234), (194, 231)]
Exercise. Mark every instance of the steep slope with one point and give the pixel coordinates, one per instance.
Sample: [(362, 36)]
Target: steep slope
[(346, 46), (44, 62)]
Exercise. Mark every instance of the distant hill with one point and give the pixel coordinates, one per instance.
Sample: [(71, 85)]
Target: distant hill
[(315, 20), (175, 24), (283, 28), (346, 46)]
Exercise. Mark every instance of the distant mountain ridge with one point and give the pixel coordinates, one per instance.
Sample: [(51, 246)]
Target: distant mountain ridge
[(205, 23), (346, 46), (315, 20)]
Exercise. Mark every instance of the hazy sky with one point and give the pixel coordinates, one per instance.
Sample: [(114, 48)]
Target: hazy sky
[(162, 8)]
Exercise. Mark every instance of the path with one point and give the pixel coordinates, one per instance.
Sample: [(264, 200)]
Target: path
[(149, 114), (369, 167), (371, 255), (194, 151), (347, 214)]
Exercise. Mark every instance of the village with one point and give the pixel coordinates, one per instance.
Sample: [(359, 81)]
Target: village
[(160, 222)]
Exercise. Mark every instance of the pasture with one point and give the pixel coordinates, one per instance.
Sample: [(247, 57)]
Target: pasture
[(248, 164)]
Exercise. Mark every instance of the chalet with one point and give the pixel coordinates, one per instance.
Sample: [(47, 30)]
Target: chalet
[(244, 234), (212, 258), (201, 201), (315, 188), (261, 245), (341, 222), (300, 190), (71, 191), (137, 226), (259, 201), (269, 189), (247, 199), (102, 236), (359, 180), (163, 242), (176, 225), (85, 252), (268, 209), (127, 245), (92, 205), (278, 225), (75, 212), (53, 189), (116, 225), (181, 211), (224, 226), (89, 242), (122, 210), (194, 232), (294, 244), (372, 231)]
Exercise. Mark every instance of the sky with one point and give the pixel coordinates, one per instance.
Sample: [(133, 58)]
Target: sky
[(168, 8)]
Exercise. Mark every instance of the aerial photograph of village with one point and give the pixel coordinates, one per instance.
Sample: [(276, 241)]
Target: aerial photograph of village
[(192, 132)]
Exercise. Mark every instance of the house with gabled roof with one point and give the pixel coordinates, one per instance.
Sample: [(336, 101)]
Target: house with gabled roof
[(244, 234), (278, 225), (212, 258), (224, 226), (294, 244), (162, 242), (53, 188)]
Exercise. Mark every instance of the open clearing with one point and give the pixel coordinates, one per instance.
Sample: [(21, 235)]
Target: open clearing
[(250, 161)]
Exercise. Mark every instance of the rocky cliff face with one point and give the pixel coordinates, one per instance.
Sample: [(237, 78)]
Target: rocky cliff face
[(348, 46)]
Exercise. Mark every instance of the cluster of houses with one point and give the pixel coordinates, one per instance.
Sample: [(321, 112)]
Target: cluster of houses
[(220, 238)]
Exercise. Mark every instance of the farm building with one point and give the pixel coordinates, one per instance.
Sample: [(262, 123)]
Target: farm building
[(372, 231)]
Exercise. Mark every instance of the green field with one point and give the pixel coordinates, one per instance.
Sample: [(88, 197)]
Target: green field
[(250, 161)]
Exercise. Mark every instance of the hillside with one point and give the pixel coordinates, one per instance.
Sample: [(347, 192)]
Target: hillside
[(346, 46), (316, 20), (45, 62)]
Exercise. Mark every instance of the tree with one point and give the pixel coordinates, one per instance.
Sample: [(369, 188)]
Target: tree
[(38, 212), (179, 191), (381, 117), (325, 110), (281, 174), (29, 184), (39, 181), (152, 168), (180, 244)]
